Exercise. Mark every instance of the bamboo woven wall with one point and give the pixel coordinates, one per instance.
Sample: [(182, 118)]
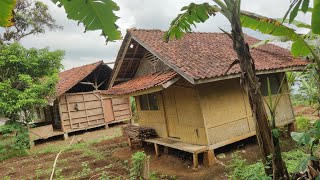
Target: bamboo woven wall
[(227, 113), (153, 118)]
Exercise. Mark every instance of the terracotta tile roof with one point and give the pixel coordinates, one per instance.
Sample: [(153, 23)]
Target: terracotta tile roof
[(71, 77), (208, 55), (141, 83)]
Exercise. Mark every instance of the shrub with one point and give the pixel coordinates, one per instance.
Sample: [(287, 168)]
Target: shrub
[(138, 159), (14, 140)]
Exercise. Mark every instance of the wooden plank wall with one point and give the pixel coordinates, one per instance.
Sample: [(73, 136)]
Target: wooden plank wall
[(81, 111), (121, 109)]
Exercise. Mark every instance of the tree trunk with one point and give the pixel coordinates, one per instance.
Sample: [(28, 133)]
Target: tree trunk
[(250, 83)]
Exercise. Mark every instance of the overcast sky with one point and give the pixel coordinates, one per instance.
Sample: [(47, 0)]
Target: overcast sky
[(83, 48)]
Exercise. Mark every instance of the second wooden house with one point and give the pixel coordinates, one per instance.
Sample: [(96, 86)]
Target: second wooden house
[(79, 104)]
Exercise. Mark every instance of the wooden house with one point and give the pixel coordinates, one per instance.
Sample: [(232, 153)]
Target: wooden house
[(79, 105), (182, 89)]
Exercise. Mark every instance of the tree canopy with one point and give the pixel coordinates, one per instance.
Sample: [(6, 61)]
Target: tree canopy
[(27, 78), (30, 17)]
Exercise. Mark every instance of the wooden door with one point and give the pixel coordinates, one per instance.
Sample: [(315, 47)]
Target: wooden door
[(108, 110), (171, 113)]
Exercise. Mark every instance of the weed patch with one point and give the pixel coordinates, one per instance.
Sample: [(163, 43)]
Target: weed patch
[(303, 123), (240, 169)]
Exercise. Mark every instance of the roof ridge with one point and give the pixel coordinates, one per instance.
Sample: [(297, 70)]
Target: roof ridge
[(159, 30), (97, 62)]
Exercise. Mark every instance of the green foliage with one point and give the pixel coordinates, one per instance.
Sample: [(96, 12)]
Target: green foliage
[(297, 23), (138, 159), (85, 169), (309, 138), (133, 106), (58, 174), (27, 78), (293, 159), (307, 82), (303, 5), (14, 140), (303, 123), (104, 176), (194, 13), (6, 15), (239, 168), (95, 15), (273, 27), (31, 17), (153, 175), (315, 19)]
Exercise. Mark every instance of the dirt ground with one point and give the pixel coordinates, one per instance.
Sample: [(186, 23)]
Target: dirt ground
[(306, 111), (112, 155)]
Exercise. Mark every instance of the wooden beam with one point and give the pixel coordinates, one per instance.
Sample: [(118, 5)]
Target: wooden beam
[(68, 108), (128, 67), (86, 110), (120, 61), (87, 83), (136, 49), (225, 77), (137, 93), (102, 83)]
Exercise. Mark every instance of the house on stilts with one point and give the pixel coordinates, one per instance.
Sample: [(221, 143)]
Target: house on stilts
[(182, 90), (79, 105)]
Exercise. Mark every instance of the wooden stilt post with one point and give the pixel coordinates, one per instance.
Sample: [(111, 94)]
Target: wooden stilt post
[(195, 161), (129, 142), (156, 149), (209, 158), (65, 136)]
